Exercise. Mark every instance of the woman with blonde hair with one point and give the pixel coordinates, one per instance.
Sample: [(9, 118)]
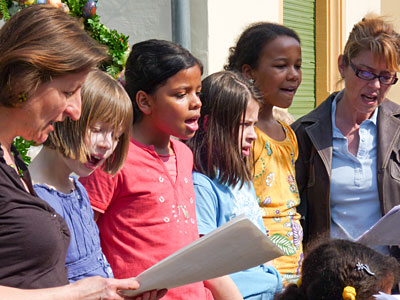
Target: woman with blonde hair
[(348, 167)]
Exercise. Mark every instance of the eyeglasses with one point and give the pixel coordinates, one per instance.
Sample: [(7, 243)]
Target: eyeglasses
[(365, 75)]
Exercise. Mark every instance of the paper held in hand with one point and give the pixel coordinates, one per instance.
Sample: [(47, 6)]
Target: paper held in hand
[(235, 246), (383, 296), (385, 232)]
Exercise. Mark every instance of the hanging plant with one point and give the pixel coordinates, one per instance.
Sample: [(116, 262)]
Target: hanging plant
[(86, 12)]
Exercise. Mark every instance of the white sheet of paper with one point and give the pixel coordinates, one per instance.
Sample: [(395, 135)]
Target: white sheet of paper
[(235, 246), (383, 296), (385, 232)]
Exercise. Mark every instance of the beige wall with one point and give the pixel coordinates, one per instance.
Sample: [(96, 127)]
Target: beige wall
[(391, 9), (355, 10), (217, 24)]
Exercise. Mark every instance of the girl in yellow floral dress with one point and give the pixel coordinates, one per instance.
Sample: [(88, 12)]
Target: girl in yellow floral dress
[(269, 55)]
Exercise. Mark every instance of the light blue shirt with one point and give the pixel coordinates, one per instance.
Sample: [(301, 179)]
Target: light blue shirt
[(216, 204), (354, 198)]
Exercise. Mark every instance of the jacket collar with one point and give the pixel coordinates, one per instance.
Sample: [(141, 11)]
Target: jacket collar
[(388, 131), (318, 126)]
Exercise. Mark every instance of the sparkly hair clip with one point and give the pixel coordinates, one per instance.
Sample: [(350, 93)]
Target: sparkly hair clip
[(361, 267)]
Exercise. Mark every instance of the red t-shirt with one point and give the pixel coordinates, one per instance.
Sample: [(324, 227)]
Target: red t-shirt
[(146, 216)]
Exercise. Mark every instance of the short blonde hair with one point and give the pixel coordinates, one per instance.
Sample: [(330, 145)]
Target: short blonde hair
[(103, 99), (374, 34)]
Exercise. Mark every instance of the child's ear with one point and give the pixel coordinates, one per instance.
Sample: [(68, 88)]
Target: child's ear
[(143, 102), (247, 71)]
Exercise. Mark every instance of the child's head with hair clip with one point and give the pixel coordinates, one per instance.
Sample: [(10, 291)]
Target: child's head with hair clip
[(229, 111), (101, 136), (342, 269)]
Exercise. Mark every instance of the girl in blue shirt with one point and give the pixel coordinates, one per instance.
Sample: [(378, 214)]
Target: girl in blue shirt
[(222, 176), (99, 138)]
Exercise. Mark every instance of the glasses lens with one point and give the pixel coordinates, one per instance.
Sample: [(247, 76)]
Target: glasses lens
[(386, 79), (366, 75)]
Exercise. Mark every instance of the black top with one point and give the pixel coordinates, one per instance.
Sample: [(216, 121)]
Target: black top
[(33, 238)]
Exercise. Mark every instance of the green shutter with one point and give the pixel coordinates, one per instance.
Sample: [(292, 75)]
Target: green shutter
[(300, 16)]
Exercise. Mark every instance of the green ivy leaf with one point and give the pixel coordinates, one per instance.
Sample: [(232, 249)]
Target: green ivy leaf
[(23, 146)]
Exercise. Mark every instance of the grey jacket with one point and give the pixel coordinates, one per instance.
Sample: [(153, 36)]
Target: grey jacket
[(313, 167)]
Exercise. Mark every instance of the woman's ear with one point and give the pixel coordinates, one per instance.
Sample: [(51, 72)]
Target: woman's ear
[(341, 65), (247, 72), (143, 102)]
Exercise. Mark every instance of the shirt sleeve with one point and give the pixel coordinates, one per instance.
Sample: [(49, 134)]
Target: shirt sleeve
[(206, 204), (101, 188)]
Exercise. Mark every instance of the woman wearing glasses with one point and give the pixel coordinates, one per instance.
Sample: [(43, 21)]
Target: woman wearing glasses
[(348, 170)]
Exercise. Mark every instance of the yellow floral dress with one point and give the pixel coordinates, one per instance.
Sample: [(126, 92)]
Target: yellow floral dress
[(278, 197)]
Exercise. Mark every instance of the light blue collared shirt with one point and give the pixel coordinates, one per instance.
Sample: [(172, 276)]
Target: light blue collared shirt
[(354, 199)]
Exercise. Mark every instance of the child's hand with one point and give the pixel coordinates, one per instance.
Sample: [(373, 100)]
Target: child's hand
[(151, 295)]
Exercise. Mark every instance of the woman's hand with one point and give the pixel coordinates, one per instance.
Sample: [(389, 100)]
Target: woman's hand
[(91, 288), (99, 288)]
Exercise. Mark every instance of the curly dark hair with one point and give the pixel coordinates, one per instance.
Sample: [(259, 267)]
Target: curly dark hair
[(331, 266), (251, 43)]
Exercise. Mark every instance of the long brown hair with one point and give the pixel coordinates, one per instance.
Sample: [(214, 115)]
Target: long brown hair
[(38, 43), (225, 96)]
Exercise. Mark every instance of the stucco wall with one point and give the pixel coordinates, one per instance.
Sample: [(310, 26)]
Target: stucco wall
[(391, 10), (355, 10), (139, 19), (215, 25), (228, 18)]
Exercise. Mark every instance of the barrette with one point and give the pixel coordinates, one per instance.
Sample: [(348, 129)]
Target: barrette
[(360, 267), (22, 97)]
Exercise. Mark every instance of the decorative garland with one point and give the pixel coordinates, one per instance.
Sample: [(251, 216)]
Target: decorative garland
[(85, 11)]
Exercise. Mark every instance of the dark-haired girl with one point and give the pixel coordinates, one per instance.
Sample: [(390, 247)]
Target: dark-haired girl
[(269, 56), (222, 177), (147, 211), (341, 269)]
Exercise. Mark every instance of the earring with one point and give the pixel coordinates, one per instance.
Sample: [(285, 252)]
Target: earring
[(22, 97), (251, 80)]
